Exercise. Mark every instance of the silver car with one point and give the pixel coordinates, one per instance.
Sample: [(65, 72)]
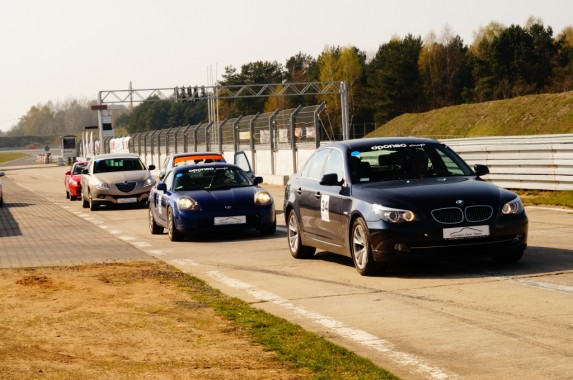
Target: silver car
[(1, 194), (116, 178)]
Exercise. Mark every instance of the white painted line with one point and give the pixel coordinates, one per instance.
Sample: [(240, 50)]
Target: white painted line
[(184, 262), (547, 285), (126, 238), (141, 244), (550, 209), (115, 232), (414, 363), (157, 252)]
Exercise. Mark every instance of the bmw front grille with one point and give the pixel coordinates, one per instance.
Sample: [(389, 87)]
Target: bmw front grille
[(455, 215)]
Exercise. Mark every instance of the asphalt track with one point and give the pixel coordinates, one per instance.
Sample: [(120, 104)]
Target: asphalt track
[(425, 319)]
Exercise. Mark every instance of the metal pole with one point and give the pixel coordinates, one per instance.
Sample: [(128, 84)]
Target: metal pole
[(321, 107), (344, 107), (208, 137), (100, 123), (195, 130), (236, 133), (272, 127), (252, 138), (293, 137), (220, 128)]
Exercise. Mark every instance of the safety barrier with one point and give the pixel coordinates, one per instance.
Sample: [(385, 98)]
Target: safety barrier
[(540, 162)]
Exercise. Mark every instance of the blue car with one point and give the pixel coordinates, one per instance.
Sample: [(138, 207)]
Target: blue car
[(209, 197)]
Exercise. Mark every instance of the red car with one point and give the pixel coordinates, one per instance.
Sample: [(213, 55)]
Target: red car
[(72, 180)]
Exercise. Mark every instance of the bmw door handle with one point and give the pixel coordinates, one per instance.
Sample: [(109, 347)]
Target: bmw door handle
[(299, 191), (317, 195)]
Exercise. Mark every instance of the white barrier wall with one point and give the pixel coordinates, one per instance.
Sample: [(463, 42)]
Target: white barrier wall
[(541, 162)]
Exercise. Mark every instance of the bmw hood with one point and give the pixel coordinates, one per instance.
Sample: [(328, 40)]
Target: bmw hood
[(433, 193)]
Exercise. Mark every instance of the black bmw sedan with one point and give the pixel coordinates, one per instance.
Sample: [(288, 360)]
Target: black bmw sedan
[(374, 199)]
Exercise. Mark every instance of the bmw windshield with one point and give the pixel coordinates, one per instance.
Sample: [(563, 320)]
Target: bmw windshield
[(404, 161)]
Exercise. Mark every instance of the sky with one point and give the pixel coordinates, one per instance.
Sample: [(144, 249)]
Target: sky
[(59, 50)]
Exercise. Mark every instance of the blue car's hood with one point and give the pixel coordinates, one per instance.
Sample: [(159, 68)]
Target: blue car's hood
[(432, 193)]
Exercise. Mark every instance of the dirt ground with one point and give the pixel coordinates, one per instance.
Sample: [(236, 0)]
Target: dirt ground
[(119, 321)]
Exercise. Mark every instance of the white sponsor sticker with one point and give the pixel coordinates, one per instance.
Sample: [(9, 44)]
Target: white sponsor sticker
[(324, 201)]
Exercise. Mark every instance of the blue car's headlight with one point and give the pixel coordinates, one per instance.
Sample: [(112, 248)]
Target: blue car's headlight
[(394, 215), (186, 203), (263, 198), (513, 207)]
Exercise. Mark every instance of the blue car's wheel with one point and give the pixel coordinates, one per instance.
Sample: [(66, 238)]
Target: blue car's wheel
[(172, 231), (154, 228)]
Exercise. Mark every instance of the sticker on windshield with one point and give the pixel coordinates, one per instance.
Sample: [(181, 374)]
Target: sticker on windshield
[(324, 201)]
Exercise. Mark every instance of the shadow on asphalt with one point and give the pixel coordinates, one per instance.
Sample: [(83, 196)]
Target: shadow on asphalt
[(535, 261)]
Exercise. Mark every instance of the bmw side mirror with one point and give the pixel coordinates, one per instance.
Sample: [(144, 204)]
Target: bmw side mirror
[(161, 186), (151, 167), (258, 180), (85, 171), (481, 170), (330, 179)]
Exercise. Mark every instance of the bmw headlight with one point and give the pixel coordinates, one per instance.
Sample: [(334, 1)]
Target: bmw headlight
[(394, 215), (102, 185), (263, 198), (186, 203), (512, 207)]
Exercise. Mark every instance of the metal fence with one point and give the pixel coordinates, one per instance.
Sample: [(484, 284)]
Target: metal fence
[(279, 142)]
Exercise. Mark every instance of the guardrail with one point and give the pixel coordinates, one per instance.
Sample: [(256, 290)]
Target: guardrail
[(537, 162)]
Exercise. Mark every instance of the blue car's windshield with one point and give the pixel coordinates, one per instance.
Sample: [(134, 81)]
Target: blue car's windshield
[(210, 178), (404, 161)]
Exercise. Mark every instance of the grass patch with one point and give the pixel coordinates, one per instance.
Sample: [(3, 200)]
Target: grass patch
[(546, 198), (11, 156), (293, 345), (523, 115)]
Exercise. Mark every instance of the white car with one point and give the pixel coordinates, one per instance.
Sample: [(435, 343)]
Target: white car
[(1, 194), (119, 178)]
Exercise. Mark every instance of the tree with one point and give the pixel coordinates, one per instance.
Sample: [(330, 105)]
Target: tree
[(300, 68), (444, 70), (346, 64), (49, 119), (516, 62), (258, 72), (394, 81), (563, 73), (157, 114)]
